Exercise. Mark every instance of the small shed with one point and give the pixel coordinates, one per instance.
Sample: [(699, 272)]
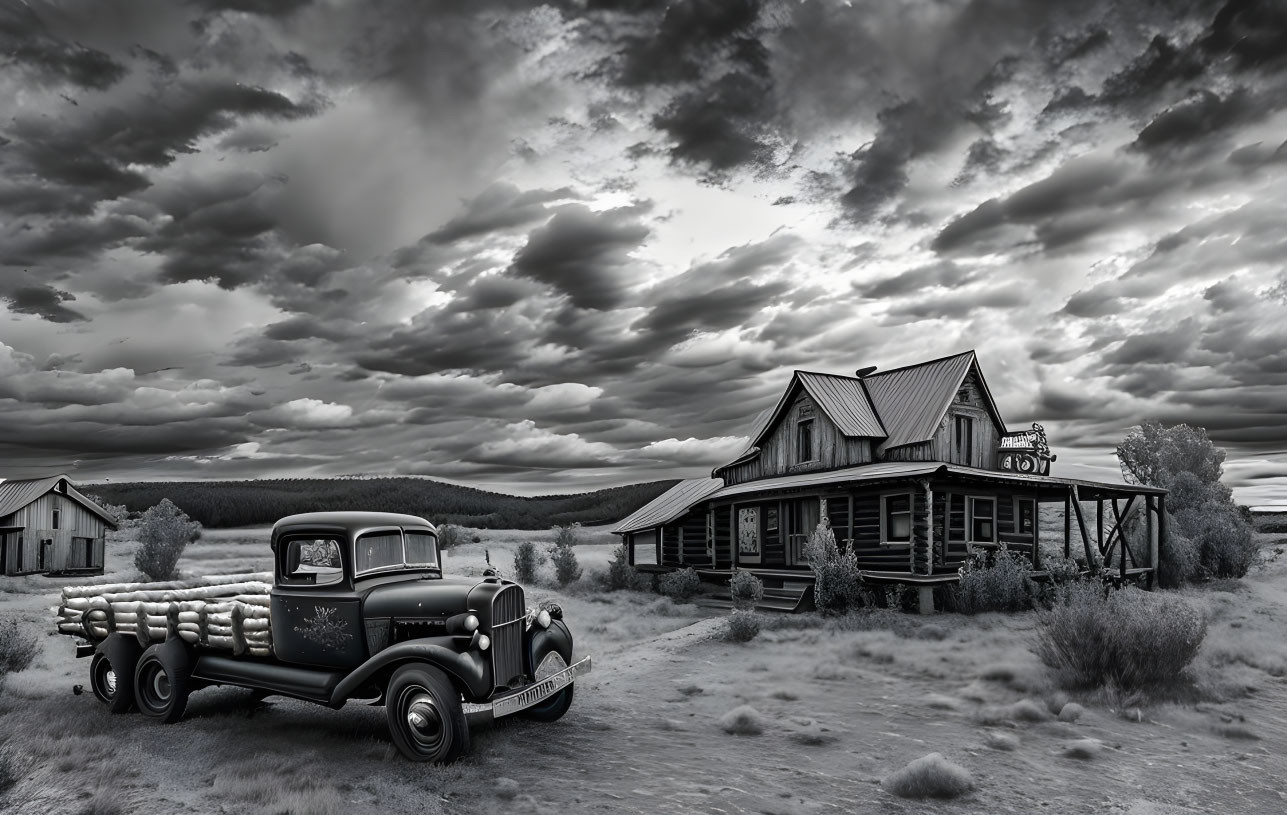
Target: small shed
[(49, 527)]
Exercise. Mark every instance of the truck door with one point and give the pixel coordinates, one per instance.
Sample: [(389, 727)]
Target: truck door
[(316, 616)]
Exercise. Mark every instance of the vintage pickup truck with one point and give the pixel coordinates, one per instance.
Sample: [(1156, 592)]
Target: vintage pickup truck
[(358, 608)]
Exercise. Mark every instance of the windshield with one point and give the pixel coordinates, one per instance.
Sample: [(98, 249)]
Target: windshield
[(380, 551)]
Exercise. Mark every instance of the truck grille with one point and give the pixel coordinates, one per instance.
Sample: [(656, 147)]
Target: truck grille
[(508, 617)]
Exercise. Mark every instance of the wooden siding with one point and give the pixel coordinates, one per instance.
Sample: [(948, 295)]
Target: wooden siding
[(723, 537), (67, 550), (694, 549), (832, 449), (952, 550), (872, 554)]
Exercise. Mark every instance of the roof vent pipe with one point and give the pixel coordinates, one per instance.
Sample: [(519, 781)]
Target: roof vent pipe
[(868, 371)]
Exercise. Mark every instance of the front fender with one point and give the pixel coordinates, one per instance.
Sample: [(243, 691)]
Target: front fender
[(470, 669), (543, 640)]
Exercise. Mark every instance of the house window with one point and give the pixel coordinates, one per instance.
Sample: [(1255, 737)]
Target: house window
[(896, 518), (1025, 516), (804, 441), (983, 520), (964, 439), (56, 518)]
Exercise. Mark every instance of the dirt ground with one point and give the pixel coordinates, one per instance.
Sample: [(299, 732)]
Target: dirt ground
[(837, 711)]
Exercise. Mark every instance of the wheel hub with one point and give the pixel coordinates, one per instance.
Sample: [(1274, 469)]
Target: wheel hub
[(424, 720), (161, 686)]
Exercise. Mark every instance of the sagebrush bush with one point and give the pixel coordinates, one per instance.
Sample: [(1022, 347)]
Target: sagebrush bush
[(566, 569), (743, 626), (1126, 639), (164, 532), (680, 585), (1061, 569), (1000, 582), (745, 589), (1226, 543), (930, 776), (1179, 561), (527, 560), (837, 584), (17, 649), (450, 536), (622, 576)]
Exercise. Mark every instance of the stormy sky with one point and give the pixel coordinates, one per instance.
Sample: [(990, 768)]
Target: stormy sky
[(559, 247)]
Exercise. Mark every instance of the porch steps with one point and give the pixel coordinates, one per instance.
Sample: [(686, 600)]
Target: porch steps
[(793, 598)]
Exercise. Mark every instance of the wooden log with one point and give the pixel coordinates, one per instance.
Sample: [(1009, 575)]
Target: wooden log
[(172, 622), (238, 635), (141, 632)]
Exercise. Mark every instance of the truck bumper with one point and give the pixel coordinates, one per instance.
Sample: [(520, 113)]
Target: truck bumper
[(533, 694)]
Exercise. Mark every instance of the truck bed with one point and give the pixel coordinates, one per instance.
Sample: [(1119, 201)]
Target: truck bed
[(228, 612)]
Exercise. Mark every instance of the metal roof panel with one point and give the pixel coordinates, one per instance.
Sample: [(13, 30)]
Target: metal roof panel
[(669, 505)]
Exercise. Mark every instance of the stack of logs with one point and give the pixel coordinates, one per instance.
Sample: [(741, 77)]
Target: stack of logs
[(228, 612)]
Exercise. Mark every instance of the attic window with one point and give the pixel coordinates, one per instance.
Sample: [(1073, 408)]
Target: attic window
[(963, 396), (804, 440)]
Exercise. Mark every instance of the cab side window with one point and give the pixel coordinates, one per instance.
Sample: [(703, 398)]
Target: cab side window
[(314, 560)]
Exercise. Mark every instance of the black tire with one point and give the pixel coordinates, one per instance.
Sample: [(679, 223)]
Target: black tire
[(111, 672), (161, 682), (553, 708), (426, 720)]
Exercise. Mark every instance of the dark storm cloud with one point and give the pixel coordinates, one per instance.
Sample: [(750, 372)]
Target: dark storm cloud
[(85, 158), (584, 255), (499, 207), (26, 41), (714, 125), (44, 301), (945, 274), (1185, 124), (266, 8)]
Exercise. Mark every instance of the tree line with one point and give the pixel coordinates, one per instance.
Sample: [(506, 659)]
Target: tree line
[(248, 503)]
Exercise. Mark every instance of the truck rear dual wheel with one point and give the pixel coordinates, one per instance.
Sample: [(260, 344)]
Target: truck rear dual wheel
[(426, 720), (111, 672), (161, 682)]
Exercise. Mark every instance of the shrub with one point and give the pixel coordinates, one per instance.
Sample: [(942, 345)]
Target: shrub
[(681, 585), (566, 569), (837, 585), (1178, 561), (930, 776), (622, 576), (17, 649), (1061, 569), (746, 590), (742, 721), (743, 626), (1226, 545), (450, 536), (164, 532), (1002, 582), (527, 559), (1128, 639)]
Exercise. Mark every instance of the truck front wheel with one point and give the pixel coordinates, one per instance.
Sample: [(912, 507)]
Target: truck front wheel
[(425, 716), (161, 682)]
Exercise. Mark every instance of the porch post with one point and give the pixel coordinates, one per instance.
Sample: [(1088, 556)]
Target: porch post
[(1068, 525), (1081, 526), (1163, 529), (1149, 509), (1099, 524)]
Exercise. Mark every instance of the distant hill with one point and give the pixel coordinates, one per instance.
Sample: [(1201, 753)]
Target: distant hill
[(246, 503)]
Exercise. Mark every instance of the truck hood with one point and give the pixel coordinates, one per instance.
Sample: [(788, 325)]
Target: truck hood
[(436, 598)]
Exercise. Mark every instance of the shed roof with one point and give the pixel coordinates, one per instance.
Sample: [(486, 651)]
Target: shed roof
[(16, 494), (669, 505)]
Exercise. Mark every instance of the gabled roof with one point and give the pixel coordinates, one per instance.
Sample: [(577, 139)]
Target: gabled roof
[(14, 495), (840, 397), (669, 505), (913, 399)]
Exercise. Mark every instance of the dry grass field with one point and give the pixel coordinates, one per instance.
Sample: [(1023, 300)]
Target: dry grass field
[(810, 717)]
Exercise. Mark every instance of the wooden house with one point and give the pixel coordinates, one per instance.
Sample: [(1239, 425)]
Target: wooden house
[(912, 468), (48, 527)]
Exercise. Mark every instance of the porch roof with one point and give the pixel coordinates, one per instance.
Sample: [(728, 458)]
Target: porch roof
[(669, 505), (899, 470)]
